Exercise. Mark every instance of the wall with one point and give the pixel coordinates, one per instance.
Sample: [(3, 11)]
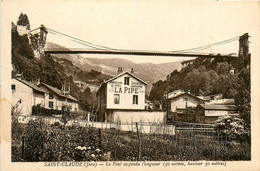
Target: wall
[(125, 116), (216, 112), (38, 98), (181, 103), (58, 101), (126, 93), (22, 30), (24, 93)]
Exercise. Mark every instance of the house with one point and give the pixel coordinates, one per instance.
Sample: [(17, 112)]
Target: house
[(174, 93), (209, 113), (183, 106), (25, 95), (222, 102), (123, 98), (56, 98), (186, 63), (83, 85), (183, 100)]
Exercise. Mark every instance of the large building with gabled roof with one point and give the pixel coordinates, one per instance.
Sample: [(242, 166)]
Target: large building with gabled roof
[(122, 97)]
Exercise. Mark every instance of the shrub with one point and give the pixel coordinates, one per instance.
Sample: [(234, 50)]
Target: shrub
[(233, 127)]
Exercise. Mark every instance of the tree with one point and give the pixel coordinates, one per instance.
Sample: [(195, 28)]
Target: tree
[(23, 20)]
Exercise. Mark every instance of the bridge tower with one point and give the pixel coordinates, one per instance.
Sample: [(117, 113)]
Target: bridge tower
[(43, 37), (243, 52)]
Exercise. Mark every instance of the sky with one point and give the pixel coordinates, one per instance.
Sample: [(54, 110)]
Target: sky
[(139, 25)]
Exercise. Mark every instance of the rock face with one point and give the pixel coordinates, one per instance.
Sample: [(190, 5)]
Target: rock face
[(148, 72)]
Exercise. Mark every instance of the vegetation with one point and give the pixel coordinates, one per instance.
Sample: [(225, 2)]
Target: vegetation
[(48, 70), (23, 20), (59, 143), (209, 77)]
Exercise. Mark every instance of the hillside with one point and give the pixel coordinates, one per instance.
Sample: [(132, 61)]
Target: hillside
[(148, 72), (204, 77), (53, 71)]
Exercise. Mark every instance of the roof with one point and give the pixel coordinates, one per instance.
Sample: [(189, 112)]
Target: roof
[(59, 92), (206, 98), (34, 87), (218, 107), (119, 75), (223, 101), (183, 94)]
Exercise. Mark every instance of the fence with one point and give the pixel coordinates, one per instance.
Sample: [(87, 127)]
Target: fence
[(143, 127)]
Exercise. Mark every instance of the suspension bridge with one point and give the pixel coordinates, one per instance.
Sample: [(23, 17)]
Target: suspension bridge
[(100, 49)]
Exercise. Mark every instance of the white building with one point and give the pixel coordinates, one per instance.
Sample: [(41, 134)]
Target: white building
[(209, 113), (174, 93), (25, 95), (56, 98), (123, 98), (183, 100)]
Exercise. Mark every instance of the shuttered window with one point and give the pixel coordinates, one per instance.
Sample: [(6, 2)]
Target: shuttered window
[(116, 99), (135, 99), (126, 80)]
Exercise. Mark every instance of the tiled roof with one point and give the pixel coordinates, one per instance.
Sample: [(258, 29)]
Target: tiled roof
[(119, 75), (34, 87), (183, 94), (218, 107), (123, 74), (59, 92)]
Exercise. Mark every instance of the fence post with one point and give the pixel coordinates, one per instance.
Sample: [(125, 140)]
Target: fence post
[(99, 134), (23, 147), (139, 149)]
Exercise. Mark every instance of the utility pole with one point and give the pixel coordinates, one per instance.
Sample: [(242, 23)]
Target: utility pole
[(186, 100)]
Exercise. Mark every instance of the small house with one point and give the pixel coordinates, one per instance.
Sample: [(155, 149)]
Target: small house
[(56, 98), (183, 106), (25, 95), (209, 113)]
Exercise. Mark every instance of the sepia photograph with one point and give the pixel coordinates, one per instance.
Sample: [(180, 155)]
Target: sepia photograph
[(131, 83)]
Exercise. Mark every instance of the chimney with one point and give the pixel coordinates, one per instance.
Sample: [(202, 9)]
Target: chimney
[(119, 70), (132, 70)]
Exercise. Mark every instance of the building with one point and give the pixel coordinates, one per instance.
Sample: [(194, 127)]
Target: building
[(222, 102), (183, 100), (25, 95), (186, 63), (22, 30), (209, 113), (122, 98), (174, 93), (83, 85), (182, 106), (56, 98)]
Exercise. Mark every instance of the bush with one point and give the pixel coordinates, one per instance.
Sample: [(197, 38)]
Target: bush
[(59, 143), (233, 127)]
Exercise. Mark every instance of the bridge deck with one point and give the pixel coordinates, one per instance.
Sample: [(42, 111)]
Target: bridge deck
[(141, 53)]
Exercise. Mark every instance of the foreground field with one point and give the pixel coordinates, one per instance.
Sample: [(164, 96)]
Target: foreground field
[(37, 141)]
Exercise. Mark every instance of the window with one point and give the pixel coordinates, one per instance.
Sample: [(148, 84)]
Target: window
[(126, 80), (135, 99), (51, 105), (13, 87), (50, 96), (116, 99)]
